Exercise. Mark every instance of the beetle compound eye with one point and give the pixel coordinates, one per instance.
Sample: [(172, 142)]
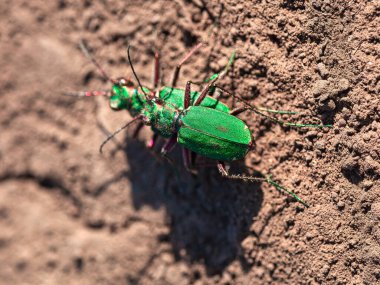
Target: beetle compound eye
[(122, 81)]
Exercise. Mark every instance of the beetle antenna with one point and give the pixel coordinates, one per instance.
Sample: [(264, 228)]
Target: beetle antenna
[(93, 60), (134, 72), (118, 131), (88, 93)]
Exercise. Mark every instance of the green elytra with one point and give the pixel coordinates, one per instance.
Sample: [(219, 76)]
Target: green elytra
[(214, 134), (198, 122)]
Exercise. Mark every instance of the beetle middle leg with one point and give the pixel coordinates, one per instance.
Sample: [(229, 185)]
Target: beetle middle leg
[(183, 60), (260, 111), (156, 70)]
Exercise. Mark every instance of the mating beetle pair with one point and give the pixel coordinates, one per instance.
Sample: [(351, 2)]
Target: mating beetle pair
[(199, 123)]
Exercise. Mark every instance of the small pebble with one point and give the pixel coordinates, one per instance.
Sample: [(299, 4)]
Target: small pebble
[(308, 158), (311, 134), (320, 145), (325, 269), (309, 236), (341, 205), (342, 123), (327, 105), (350, 132), (322, 70), (167, 258), (343, 85), (367, 184), (349, 164), (371, 165), (320, 87), (375, 209), (367, 137)]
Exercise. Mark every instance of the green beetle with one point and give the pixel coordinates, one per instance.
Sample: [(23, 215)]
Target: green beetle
[(199, 123)]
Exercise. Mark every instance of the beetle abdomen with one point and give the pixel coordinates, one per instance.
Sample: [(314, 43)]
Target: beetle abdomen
[(214, 134)]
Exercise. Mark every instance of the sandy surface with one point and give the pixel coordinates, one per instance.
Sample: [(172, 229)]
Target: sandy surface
[(69, 215)]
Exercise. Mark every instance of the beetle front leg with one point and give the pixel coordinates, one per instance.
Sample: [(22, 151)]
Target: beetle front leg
[(152, 142), (137, 130)]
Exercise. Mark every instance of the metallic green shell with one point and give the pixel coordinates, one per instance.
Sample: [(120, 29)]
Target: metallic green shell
[(162, 119), (175, 97), (126, 98), (214, 134), (120, 98)]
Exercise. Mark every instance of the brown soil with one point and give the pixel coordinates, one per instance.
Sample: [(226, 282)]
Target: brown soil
[(69, 215)]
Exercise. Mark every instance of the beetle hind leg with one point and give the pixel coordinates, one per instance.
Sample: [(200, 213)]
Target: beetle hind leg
[(224, 172)]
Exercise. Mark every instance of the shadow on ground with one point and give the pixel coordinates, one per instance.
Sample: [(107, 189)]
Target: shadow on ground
[(208, 215)]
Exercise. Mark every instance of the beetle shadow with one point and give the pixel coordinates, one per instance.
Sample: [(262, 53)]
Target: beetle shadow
[(208, 215)]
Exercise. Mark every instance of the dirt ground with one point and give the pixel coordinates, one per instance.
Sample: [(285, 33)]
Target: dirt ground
[(69, 215)]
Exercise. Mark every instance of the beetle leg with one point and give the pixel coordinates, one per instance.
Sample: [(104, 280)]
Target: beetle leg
[(187, 98), (238, 111), (224, 172), (189, 159), (152, 141), (224, 71), (193, 157), (137, 130), (183, 60), (186, 154), (204, 92), (156, 70), (222, 168), (213, 89), (169, 145), (259, 111)]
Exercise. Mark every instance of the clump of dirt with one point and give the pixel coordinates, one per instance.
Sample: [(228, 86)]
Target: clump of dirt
[(69, 215)]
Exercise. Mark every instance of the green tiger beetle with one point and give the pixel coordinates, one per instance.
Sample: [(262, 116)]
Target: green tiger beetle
[(198, 122)]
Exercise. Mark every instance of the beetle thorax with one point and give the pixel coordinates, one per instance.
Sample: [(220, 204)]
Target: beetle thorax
[(163, 120)]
